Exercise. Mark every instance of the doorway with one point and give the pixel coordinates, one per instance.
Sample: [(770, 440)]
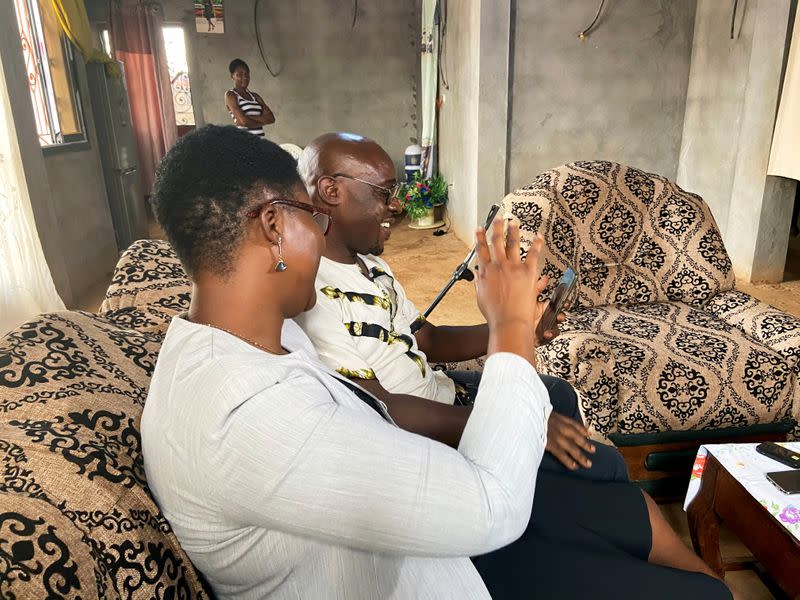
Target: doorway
[(180, 84)]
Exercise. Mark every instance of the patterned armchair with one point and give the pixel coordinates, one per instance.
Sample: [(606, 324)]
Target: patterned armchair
[(664, 352), (76, 516)]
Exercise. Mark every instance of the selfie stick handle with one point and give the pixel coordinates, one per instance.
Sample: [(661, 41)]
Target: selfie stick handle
[(462, 271)]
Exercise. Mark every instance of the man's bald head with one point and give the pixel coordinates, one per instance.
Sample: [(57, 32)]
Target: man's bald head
[(353, 178), (340, 152)]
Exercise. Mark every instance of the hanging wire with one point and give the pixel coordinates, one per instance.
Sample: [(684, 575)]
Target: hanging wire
[(258, 40), (733, 16), (355, 14), (582, 35), (442, 41)]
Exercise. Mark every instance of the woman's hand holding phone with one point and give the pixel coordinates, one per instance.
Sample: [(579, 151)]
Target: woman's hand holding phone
[(553, 315), (504, 284)]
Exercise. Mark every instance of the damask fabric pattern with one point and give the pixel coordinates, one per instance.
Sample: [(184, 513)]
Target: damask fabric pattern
[(76, 516), (148, 288), (657, 339), (634, 237)]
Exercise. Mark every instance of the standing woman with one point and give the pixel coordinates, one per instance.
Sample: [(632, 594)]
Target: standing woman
[(248, 109), (208, 14)]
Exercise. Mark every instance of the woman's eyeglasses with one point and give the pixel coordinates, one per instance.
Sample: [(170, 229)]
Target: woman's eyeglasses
[(320, 215), (389, 194)]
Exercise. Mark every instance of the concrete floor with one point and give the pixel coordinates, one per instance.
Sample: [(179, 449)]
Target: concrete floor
[(423, 263)]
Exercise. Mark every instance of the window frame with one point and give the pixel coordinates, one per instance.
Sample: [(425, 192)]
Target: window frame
[(62, 142)]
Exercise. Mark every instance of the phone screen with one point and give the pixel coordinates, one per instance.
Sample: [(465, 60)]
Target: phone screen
[(786, 481), (561, 292), (559, 297)]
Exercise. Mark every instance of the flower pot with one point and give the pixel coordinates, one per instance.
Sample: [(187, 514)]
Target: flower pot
[(425, 220)]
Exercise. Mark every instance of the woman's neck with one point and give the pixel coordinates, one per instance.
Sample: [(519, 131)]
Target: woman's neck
[(238, 311), (240, 90)]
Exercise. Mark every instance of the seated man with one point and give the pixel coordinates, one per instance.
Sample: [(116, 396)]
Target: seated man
[(365, 327)]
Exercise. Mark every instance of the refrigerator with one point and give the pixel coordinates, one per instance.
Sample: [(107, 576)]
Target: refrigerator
[(117, 146)]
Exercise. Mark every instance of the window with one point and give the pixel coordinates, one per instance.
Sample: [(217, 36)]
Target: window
[(175, 46), (49, 63)]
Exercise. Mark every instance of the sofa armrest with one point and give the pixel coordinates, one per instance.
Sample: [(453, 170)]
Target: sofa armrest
[(585, 360), (760, 321)]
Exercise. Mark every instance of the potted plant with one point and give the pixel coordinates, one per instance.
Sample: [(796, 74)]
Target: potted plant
[(420, 196)]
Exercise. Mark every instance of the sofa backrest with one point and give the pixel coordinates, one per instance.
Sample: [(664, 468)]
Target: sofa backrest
[(633, 237), (148, 288), (75, 511)]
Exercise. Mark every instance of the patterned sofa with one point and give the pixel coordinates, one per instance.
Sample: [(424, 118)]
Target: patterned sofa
[(76, 517), (662, 349)]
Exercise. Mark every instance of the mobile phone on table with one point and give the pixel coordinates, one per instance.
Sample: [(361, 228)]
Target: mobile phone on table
[(558, 299), (783, 455), (786, 481)]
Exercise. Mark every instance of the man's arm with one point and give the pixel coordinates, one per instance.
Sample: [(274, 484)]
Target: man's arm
[(442, 422), (443, 343)]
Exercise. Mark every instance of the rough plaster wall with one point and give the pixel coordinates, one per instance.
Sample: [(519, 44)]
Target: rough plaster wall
[(79, 198), (619, 95), (730, 116), (493, 104), (714, 103), (80, 202), (331, 77), (67, 192), (458, 151)]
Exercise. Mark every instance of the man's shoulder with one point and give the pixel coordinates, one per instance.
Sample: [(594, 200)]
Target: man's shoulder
[(376, 261)]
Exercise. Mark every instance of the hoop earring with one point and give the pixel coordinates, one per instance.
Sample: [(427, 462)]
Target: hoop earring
[(280, 266)]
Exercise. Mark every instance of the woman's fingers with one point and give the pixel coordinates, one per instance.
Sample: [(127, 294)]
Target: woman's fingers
[(512, 242), (481, 247), (496, 241), (541, 285)]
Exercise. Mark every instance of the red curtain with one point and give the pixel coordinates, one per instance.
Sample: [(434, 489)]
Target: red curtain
[(138, 42)]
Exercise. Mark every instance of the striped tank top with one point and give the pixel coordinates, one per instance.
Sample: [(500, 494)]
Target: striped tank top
[(251, 108)]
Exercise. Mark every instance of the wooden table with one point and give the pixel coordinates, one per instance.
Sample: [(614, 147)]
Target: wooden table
[(722, 498)]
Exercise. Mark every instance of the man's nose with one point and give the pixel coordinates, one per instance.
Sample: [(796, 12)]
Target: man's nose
[(395, 207)]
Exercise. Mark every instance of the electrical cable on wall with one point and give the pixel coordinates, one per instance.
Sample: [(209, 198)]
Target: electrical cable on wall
[(733, 16), (258, 40), (442, 42), (355, 14), (582, 35)]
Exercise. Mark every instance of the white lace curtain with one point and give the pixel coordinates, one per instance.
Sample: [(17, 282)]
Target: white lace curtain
[(26, 287)]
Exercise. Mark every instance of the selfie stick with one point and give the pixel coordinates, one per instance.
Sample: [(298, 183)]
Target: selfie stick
[(462, 271)]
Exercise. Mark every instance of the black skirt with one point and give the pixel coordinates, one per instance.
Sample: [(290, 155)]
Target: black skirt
[(588, 539)]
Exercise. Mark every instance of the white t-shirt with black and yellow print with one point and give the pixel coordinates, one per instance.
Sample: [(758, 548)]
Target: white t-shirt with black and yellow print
[(364, 327)]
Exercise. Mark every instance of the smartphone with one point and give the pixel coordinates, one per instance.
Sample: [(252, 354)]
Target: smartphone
[(786, 481), (558, 299), (782, 455)]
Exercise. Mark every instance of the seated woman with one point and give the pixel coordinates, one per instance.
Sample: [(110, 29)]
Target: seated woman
[(282, 479)]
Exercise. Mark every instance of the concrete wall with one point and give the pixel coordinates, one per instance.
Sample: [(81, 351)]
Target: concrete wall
[(619, 95), (730, 115), (331, 77), (66, 187)]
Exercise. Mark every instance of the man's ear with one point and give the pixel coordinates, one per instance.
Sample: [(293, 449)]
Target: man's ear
[(271, 220), (328, 190)]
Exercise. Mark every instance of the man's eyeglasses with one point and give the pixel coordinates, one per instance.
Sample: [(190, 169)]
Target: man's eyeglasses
[(320, 215), (390, 194)]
